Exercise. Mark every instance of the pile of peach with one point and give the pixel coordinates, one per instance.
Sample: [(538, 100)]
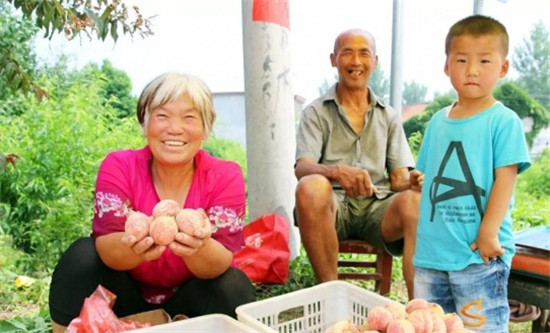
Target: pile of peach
[(167, 220), (417, 316)]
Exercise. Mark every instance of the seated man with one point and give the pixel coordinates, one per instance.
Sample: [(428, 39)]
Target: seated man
[(352, 165)]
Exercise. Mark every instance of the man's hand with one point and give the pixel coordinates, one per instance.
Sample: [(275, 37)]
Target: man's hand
[(356, 182), (416, 180)]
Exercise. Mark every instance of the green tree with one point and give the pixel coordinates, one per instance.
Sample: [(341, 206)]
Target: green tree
[(116, 88), (379, 83), (532, 61), (16, 51), (419, 122), (414, 93), (525, 106), (101, 18), (508, 93), (46, 201)]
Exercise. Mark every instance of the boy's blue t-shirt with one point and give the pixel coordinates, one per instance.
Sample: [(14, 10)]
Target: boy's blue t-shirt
[(459, 158)]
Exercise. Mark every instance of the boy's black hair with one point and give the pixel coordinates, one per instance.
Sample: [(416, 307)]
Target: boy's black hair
[(477, 25)]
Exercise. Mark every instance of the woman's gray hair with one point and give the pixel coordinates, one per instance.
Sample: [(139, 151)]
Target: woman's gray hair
[(170, 87)]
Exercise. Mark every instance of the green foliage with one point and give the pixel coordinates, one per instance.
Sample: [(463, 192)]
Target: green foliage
[(419, 122), (508, 93), (38, 324), (532, 61), (525, 106), (415, 140), (17, 59), (60, 142), (116, 88), (379, 83), (414, 93), (102, 18), (228, 150), (531, 195), (536, 180)]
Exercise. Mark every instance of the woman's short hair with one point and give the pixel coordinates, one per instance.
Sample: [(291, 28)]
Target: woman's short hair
[(170, 87)]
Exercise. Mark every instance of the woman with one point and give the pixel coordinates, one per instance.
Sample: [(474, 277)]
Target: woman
[(193, 275)]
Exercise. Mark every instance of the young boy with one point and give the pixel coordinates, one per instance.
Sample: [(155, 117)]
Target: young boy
[(470, 156)]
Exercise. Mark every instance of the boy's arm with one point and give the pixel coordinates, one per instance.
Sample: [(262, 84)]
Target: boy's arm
[(487, 240)]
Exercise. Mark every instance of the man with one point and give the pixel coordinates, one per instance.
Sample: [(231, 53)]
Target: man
[(352, 165)]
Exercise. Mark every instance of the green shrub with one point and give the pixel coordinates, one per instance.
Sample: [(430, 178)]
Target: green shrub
[(47, 199)]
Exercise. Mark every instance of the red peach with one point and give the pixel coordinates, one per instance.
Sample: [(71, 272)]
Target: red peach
[(416, 304), (137, 224), (453, 321), (439, 325), (421, 320), (397, 310), (400, 326), (188, 220), (166, 207), (163, 229), (462, 330), (379, 318), (342, 326), (436, 310)]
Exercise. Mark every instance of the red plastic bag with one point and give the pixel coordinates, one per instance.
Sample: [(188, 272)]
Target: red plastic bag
[(265, 256), (96, 315)]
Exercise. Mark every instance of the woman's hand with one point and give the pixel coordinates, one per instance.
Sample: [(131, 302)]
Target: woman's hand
[(145, 248), (187, 244)]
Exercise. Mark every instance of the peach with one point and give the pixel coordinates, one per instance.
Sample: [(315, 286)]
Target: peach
[(439, 325), (137, 224), (416, 304), (397, 310), (436, 310), (167, 207), (462, 330), (421, 320), (379, 318), (188, 220), (163, 229), (342, 326), (400, 326), (453, 321)]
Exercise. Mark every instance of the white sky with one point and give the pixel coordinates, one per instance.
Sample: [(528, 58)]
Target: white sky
[(204, 38)]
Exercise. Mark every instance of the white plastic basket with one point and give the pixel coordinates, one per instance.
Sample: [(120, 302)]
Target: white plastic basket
[(311, 309), (207, 324)]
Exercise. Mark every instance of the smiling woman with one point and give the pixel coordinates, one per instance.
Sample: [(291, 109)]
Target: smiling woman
[(192, 274)]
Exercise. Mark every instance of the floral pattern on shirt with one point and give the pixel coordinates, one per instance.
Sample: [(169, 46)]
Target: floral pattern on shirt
[(109, 202), (222, 217)]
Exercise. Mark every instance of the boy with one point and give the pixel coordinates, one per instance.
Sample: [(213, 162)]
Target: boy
[(471, 153)]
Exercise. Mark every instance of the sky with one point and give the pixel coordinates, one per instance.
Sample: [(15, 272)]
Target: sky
[(204, 38)]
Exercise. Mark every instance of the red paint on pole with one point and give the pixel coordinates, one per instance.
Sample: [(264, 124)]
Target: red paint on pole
[(274, 11)]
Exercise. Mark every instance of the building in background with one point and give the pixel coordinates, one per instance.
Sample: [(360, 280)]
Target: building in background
[(230, 111)]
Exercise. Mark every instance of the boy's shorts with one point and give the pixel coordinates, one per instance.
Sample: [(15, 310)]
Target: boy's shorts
[(478, 294), (361, 218)]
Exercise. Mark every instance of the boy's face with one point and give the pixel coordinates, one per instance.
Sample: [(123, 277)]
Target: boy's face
[(474, 65)]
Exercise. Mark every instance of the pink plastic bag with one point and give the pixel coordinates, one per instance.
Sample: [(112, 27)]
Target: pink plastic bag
[(96, 315)]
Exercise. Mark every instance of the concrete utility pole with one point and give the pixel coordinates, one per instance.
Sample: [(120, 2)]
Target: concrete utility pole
[(396, 77), (478, 7), (270, 119)]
